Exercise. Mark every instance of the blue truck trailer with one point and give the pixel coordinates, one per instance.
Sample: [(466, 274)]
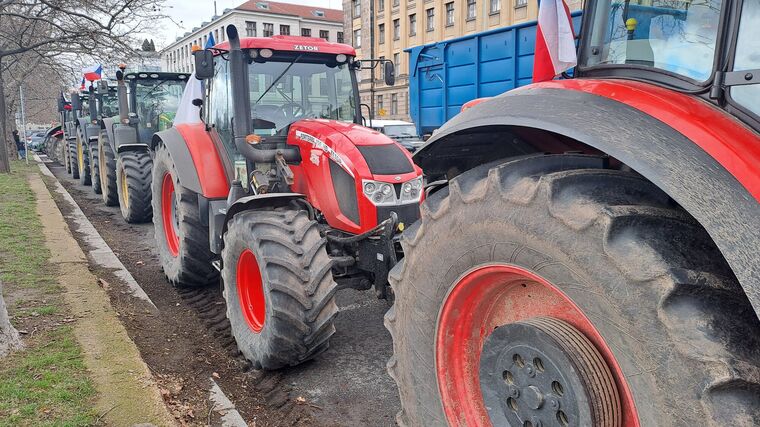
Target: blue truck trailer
[(445, 75)]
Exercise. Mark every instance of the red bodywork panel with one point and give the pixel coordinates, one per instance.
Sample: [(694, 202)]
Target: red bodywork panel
[(725, 138), (312, 177), (292, 43), (207, 161)]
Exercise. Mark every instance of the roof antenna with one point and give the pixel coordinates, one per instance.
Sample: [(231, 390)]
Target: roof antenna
[(214, 7)]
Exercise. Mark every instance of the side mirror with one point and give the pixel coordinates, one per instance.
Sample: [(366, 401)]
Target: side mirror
[(390, 73), (102, 87), (204, 64)]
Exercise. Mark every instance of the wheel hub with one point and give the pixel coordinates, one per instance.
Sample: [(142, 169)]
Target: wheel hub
[(536, 373)]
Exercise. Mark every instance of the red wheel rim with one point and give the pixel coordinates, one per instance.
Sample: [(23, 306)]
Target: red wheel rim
[(492, 296), (251, 291), (168, 214)]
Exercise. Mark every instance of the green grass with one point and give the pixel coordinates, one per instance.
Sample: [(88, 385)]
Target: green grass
[(23, 255), (46, 383)]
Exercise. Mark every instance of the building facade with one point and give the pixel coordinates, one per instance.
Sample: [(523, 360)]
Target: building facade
[(384, 28), (255, 18)]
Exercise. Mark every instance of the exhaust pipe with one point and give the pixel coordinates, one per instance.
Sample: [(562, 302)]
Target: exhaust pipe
[(121, 93), (241, 105)]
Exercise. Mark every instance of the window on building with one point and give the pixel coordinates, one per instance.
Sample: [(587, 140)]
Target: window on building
[(381, 68), (379, 105), (521, 3), (396, 29), (358, 38), (395, 3), (268, 30), (430, 23), (319, 13), (340, 37), (324, 34), (357, 8), (380, 6), (413, 24), (285, 30), (494, 6), (306, 32), (471, 9), (397, 63), (381, 34), (222, 33), (216, 35), (262, 5), (250, 29), (394, 104), (449, 14)]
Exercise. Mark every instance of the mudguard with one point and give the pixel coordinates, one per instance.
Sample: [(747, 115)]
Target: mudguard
[(92, 132), (579, 120), (199, 164), (273, 200), (125, 139), (109, 123)]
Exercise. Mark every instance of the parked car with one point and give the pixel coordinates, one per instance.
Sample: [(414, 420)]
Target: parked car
[(37, 141), (405, 133)]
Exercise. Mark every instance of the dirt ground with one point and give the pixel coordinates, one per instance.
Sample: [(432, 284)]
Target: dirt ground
[(187, 342)]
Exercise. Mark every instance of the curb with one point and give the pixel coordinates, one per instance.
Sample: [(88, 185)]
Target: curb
[(101, 254)]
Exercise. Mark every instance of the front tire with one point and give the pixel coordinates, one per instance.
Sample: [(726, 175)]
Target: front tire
[(73, 163), (602, 252), (94, 168), (181, 237), (107, 171), (279, 287), (133, 182), (83, 162)]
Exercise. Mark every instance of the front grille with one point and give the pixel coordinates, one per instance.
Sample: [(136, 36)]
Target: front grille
[(407, 213), (387, 159), (345, 192)]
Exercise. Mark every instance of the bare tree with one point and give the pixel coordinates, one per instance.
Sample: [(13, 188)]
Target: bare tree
[(48, 34)]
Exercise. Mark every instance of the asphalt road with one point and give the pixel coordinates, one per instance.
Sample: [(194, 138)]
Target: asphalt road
[(345, 386)]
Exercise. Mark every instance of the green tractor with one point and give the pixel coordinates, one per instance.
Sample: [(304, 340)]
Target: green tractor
[(147, 103), (106, 106)]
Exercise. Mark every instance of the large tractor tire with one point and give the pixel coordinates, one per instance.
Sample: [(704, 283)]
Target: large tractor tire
[(279, 287), (107, 172), (73, 163), (550, 290), (182, 238), (83, 162), (94, 169), (133, 182)]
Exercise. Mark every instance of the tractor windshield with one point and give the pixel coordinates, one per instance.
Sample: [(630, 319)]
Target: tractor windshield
[(283, 92), (670, 35), (155, 103), (109, 105)]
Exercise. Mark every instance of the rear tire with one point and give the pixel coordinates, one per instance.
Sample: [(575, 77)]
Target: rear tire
[(107, 172), (73, 163), (83, 162), (133, 182), (94, 170), (646, 275), (188, 263), (282, 256)]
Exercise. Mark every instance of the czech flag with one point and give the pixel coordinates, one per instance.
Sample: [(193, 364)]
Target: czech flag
[(555, 41), (92, 73), (211, 42)]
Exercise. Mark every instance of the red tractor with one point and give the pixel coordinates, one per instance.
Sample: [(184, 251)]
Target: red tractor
[(282, 190), (591, 258)]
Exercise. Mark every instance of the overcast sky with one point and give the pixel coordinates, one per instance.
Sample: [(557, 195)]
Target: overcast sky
[(191, 13)]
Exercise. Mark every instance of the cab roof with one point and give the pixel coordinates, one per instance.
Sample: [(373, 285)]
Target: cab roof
[(156, 75), (293, 44)]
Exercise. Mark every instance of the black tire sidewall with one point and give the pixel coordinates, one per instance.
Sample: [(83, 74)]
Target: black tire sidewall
[(163, 163)]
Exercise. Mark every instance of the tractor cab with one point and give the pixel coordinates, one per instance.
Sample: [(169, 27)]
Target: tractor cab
[(152, 101), (107, 101), (703, 47)]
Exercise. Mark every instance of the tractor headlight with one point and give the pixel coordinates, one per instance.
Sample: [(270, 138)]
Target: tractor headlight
[(411, 190), (379, 193)]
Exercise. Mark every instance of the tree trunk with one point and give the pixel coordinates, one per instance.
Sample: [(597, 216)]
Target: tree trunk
[(5, 165), (9, 338)]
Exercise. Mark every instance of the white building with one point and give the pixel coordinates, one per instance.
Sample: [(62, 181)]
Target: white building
[(256, 18)]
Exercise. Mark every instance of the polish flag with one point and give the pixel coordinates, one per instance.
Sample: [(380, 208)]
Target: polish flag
[(555, 41), (92, 73)]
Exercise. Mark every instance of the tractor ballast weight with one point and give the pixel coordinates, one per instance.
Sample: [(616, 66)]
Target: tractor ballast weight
[(294, 198)]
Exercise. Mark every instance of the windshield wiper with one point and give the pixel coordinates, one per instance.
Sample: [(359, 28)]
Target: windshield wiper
[(278, 78)]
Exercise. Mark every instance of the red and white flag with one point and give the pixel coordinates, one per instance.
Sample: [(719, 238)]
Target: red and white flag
[(555, 41), (93, 73)]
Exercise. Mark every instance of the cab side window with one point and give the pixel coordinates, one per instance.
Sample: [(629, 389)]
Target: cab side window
[(748, 56), (220, 107)]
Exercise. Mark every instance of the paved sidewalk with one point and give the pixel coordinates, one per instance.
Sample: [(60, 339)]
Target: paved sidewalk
[(127, 392)]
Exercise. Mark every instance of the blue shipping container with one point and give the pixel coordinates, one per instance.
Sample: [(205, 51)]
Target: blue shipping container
[(445, 75)]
